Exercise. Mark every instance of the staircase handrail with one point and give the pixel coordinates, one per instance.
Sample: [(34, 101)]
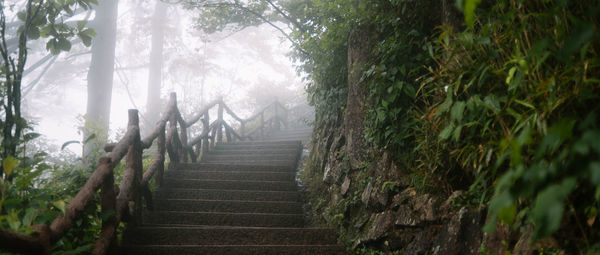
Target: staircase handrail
[(125, 200)]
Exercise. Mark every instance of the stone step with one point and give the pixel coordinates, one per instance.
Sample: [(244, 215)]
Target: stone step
[(230, 167), (193, 205), (223, 219), (208, 235), (239, 195), (264, 146), (234, 249), (294, 131), (290, 133), (230, 184), (231, 175), (276, 139), (260, 143), (297, 137), (256, 157), (288, 163), (293, 151)]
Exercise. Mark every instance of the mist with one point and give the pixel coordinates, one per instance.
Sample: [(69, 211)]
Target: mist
[(248, 68)]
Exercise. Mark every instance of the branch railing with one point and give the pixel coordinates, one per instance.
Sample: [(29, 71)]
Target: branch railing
[(124, 202)]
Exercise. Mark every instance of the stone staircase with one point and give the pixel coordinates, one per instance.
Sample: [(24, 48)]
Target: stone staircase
[(300, 134), (241, 199)]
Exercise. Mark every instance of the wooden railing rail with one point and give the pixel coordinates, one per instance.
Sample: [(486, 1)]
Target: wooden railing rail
[(124, 203)]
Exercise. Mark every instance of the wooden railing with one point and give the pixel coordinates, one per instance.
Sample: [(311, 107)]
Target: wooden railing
[(124, 202)]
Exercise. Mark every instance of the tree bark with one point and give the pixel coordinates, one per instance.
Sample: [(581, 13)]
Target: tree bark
[(100, 76), (155, 68)]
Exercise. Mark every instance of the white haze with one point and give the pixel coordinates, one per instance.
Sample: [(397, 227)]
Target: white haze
[(251, 61)]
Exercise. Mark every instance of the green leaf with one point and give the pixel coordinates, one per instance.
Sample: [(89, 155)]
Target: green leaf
[(457, 111), (87, 140), (492, 102), (21, 15), (89, 32), (470, 6), (9, 164), (67, 143), (51, 45), (31, 136), (497, 204), (457, 132), (526, 104), (47, 31), (33, 33), (81, 24), (64, 44), (507, 214), (445, 134), (13, 220), (29, 218), (445, 105), (511, 75), (548, 208), (87, 40), (60, 204), (26, 180)]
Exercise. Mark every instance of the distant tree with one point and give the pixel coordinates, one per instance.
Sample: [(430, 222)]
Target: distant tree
[(155, 65), (36, 18), (100, 77)]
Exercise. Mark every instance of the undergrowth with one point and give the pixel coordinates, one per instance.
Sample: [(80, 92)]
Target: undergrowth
[(502, 104)]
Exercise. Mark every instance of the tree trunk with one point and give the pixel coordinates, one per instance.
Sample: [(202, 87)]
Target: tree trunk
[(100, 77), (153, 105)]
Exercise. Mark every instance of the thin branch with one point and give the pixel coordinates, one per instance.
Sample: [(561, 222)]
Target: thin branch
[(287, 17), (258, 15), (32, 84)]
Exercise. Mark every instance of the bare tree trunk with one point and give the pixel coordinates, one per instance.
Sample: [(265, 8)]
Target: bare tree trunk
[(100, 76), (153, 105)]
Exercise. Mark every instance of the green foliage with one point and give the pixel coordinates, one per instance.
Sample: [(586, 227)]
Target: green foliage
[(37, 19), (45, 19), (506, 108), (517, 93), (235, 16)]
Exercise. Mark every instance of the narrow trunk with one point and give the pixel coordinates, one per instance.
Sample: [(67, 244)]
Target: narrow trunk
[(153, 105), (100, 76)]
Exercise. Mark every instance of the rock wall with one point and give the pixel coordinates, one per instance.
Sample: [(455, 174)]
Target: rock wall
[(368, 197), (373, 200)]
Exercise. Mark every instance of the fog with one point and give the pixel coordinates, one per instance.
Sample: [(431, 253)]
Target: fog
[(248, 68)]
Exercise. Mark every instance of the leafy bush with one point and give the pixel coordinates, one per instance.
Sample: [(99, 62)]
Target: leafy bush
[(505, 106)]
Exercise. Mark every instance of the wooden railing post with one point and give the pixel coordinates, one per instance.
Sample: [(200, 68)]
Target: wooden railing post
[(205, 132), (242, 129), (162, 147), (184, 141), (134, 155), (262, 124), (219, 125), (172, 136), (130, 195), (276, 117), (107, 240), (229, 136)]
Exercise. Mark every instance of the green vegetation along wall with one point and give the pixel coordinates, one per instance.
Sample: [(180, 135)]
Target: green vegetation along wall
[(454, 127)]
